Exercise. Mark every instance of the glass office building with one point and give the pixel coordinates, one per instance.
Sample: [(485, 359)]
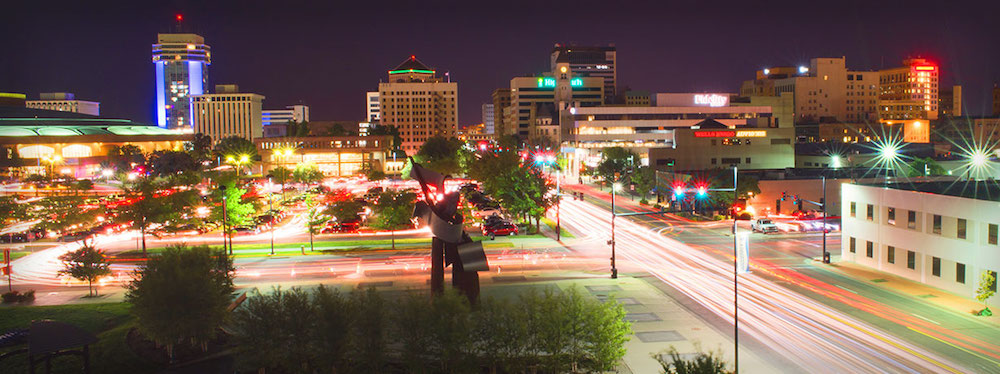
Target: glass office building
[(181, 62)]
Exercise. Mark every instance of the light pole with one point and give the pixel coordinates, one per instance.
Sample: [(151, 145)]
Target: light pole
[(225, 230), (826, 255), (736, 278), (614, 270), (270, 211)]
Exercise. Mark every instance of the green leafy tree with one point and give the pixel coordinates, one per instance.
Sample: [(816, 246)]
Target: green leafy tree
[(644, 179), (344, 210), (307, 174), (393, 211), (441, 155), (520, 186), (373, 172), (169, 163), (701, 363), (297, 129), (10, 209), (200, 148), (61, 213), (122, 157), (435, 332), (236, 147), (281, 175), (924, 167), (333, 323), (616, 161), (83, 185), (369, 332), (86, 264), (987, 288), (182, 295), (277, 331), (502, 336), (723, 178), (314, 219), (147, 208), (238, 212)]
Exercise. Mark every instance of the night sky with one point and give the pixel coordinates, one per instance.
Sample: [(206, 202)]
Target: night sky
[(327, 55)]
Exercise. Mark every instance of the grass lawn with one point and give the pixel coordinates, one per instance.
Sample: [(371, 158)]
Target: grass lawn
[(14, 255), (552, 225), (110, 321)]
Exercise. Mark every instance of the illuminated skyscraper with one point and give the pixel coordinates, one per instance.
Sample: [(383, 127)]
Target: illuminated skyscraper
[(181, 62), (418, 103), (590, 61)]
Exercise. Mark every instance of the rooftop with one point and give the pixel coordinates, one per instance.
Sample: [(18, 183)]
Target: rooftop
[(28, 122), (412, 65), (988, 190)]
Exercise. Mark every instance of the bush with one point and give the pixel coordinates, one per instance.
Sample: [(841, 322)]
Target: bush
[(294, 331), (643, 201), (17, 297), (701, 363)]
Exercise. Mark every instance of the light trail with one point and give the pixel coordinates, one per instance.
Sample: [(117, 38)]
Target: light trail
[(807, 332)]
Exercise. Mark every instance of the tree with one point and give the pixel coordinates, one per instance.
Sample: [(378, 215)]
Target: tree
[(387, 130), (86, 264), (182, 295), (60, 213), (987, 288), (276, 331), (147, 208), (723, 178), (281, 175), (344, 210), (393, 211), (314, 219), (83, 185), (238, 212), (122, 158), (924, 167), (520, 186), (616, 161), (644, 179), (236, 147), (701, 363), (307, 174), (297, 129), (441, 155), (200, 148), (373, 172), (169, 163)]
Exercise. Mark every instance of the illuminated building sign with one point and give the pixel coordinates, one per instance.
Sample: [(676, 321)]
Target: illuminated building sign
[(418, 71), (731, 134), (711, 100), (927, 68), (547, 82)]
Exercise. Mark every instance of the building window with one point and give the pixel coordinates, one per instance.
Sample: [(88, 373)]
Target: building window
[(992, 233), (911, 219), (714, 161), (937, 225), (748, 160), (892, 216), (870, 212), (853, 244), (892, 254), (911, 260), (994, 288), (854, 209), (936, 266), (962, 223), (960, 273), (870, 249)]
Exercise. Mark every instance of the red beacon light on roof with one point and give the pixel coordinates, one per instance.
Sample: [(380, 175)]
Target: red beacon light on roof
[(180, 17)]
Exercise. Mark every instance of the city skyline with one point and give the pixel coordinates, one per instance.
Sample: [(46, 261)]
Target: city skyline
[(310, 39)]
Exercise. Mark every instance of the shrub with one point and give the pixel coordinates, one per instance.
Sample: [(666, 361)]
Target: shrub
[(701, 363), (643, 201), (17, 297)]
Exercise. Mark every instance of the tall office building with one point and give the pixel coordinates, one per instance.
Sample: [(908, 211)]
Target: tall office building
[(372, 107), (590, 61), (181, 62), (488, 115), (825, 90), (909, 92), (64, 102), (501, 105), (538, 103), (230, 113), (950, 102), (418, 103)]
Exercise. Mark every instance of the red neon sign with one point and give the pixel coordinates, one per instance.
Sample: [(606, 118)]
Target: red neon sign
[(715, 134)]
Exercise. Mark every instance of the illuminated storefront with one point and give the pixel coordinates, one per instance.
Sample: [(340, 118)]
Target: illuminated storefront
[(340, 156)]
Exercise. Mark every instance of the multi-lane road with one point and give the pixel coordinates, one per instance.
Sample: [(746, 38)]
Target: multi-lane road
[(808, 313)]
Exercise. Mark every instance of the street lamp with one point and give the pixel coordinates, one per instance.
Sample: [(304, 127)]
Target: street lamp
[(238, 161), (52, 160), (270, 211), (615, 187), (225, 230)]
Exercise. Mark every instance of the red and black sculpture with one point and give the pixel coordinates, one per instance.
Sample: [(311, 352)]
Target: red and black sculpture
[(450, 244)]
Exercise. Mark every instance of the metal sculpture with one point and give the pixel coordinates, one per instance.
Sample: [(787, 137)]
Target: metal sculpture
[(450, 244)]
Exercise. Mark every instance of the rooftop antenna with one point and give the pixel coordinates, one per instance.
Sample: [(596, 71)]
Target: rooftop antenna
[(179, 18)]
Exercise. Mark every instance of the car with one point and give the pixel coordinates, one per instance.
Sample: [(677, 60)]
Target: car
[(74, 236), (763, 225), (342, 227), (246, 230), (505, 228), (485, 212)]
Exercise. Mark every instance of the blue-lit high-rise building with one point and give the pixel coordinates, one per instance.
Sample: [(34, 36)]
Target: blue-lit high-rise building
[(181, 62)]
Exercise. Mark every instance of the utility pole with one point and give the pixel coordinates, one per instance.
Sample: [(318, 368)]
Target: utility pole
[(225, 230), (558, 205), (736, 277), (614, 270), (270, 208), (826, 255)]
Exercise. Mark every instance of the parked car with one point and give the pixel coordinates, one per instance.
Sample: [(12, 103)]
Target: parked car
[(763, 225), (246, 230), (74, 236), (342, 227), (505, 228)]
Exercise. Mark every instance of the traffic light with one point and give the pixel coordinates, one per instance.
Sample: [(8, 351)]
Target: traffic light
[(702, 191)]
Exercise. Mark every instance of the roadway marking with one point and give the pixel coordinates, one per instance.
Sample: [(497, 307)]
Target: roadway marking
[(925, 319), (846, 289), (953, 345)]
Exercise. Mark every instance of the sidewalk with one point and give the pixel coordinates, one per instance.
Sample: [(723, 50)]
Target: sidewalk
[(928, 294)]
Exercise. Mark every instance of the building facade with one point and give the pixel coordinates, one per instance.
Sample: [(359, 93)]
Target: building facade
[(418, 103), (539, 103), (230, 114), (950, 102), (501, 109), (722, 147), (64, 102), (335, 156), (589, 61), (372, 107), (931, 237), (181, 70), (294, 113), (909, 92), (488, 116), (823, 91)]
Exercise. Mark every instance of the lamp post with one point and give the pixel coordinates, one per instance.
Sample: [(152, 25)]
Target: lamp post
[(225, 230), (52, 160), (736, 277), (614, 270), (270, 211), (826, 255)]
